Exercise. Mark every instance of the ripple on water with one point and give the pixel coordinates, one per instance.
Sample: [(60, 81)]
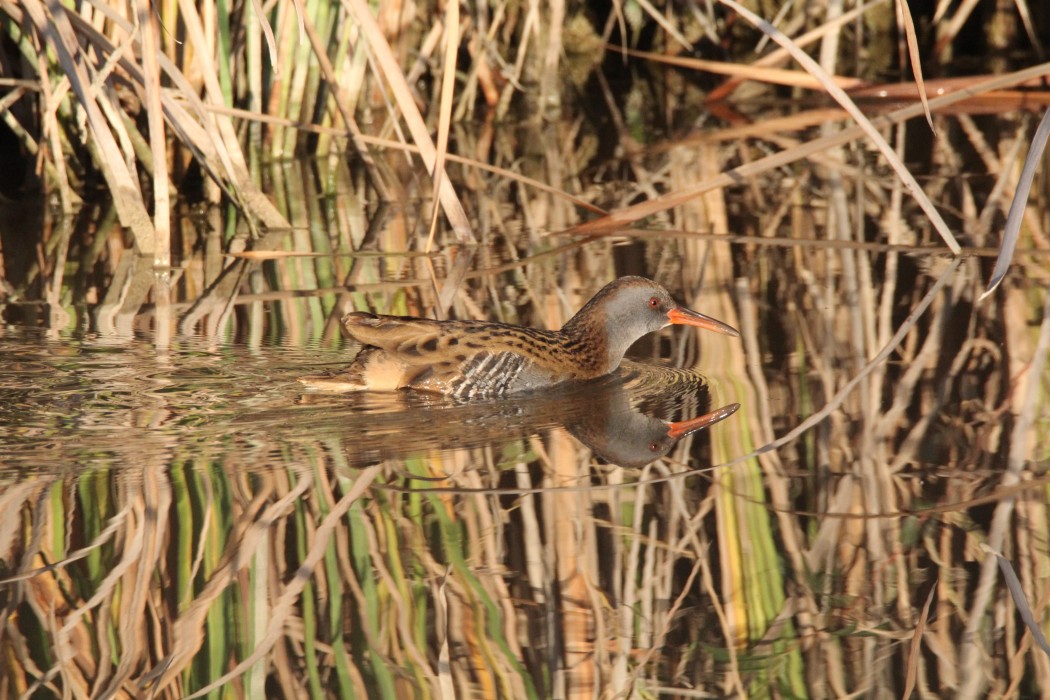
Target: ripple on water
[(87, 402)]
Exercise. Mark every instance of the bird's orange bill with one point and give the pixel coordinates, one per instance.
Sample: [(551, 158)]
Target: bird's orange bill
[(683, 428), (688, 317)]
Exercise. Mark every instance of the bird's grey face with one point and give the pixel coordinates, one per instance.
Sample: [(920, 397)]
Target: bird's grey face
[(651, 307), (633, 307), (634, 312)]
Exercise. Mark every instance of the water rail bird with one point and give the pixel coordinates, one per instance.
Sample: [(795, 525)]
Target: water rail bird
[(482, 359)]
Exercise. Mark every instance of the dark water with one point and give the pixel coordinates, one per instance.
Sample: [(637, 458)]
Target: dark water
[(175, 506)]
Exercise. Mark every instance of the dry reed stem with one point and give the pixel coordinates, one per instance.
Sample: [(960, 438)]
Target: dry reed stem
[(403, 609), (448, 85), (741, 71), (594, 260), (836, 400), (861, 120), (631, 214), (973, 678), (777, 482), (187, 633), (126, 195), (780, 54), (414, 120), (222, 132), (208, 136), (504, 173), (905, 393), (344, 103), (52, 132), (147, 32), (946, 33), (1004, 168)]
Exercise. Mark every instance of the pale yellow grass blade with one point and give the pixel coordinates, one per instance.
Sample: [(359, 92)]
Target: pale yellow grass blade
[(446, 289), (912, 669), (202, 130), (147, 28), (448, 86), (913, 52)]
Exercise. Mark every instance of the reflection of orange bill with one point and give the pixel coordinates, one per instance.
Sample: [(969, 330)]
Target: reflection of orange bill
[(683, 428)]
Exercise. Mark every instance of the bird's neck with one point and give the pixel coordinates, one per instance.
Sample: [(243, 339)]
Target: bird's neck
[(596, 342)]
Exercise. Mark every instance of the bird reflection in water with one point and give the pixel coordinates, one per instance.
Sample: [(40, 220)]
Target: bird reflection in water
[(628, 437), (624, 419)]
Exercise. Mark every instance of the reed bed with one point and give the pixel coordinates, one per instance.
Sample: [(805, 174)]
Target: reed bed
[(208, 91), (839, 544)]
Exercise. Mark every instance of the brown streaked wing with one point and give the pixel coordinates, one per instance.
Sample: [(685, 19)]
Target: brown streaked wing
[(451, 345), (419, 341), (410, 340)]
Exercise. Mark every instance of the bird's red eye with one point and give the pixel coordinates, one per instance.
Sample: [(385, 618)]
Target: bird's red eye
[(653, 302), (653, 447)]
